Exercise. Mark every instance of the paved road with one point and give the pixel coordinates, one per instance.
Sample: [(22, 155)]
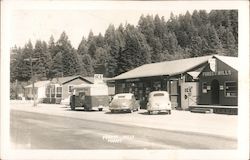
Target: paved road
[(40, 131)]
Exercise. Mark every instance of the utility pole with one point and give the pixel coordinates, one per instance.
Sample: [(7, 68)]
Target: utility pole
[(32, 78), (16, 90), (33, 85)]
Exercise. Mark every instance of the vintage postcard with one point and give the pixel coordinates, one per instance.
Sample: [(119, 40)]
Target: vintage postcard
[(124, 80)]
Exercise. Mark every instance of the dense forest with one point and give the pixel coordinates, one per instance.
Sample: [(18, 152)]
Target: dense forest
[(120, 49)]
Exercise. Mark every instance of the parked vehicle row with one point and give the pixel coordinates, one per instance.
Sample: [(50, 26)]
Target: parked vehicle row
[(90, 99)]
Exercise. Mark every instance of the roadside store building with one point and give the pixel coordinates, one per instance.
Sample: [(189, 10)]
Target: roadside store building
[(183, 79), (58, 89)]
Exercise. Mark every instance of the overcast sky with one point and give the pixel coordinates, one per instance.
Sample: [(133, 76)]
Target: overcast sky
[(41, 24), (41, 21)]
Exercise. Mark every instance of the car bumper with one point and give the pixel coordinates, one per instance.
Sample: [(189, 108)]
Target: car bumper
[(120, 108), (159, 108)]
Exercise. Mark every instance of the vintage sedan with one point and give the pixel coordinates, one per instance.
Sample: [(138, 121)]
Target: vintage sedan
[(124, 102), (159, 101)]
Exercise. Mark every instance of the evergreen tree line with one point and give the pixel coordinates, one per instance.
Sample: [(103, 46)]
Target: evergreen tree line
[(120, 49)]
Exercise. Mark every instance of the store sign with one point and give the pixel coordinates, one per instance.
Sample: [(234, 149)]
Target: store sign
[(218, 73), (188, 91), (98, 78), (212, 64)]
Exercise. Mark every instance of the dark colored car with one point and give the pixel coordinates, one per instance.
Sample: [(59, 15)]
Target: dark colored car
[(124, 102)]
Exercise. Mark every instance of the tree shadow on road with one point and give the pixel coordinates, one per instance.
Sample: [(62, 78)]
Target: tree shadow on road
[(109, 112), (81, 110), (156, 113)]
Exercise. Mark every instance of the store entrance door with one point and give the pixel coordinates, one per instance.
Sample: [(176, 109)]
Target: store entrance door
[(215, 92)]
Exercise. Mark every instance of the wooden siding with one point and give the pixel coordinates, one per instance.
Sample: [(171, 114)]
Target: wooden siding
[(206, 98)]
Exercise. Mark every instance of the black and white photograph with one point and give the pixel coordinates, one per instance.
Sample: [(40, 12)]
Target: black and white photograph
[(124, 80)]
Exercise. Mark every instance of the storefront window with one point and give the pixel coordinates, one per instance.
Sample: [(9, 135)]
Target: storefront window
[(53, 90), (59, 92), (47, 91), (119, 88), (164, 85), (231, 89), (147, 90), (70, 88), (157, 86), (204, 87)]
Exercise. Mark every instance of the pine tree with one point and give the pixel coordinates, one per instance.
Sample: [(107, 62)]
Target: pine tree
[(52, 47), (70, 62), (24, 66), (213, 41), (83, 47), (57, 66), (234, 24), (15, 59), (157, 48), (232, 49), (87, 65), (115, 42), (92, 48), (147, 27), (99, 40), (196, 46), (196, 18), (42, 64), (101, 60), (172, 43), (159, 24), (204, 17), (136, 50)]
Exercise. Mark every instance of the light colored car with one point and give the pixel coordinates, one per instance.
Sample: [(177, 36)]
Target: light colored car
[(159, 101), (124, 102)]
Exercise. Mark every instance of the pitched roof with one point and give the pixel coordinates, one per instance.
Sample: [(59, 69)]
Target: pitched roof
[(164, 68), (64, 80), (91, 79), (38, 84), (174, 67), (231, 61)]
